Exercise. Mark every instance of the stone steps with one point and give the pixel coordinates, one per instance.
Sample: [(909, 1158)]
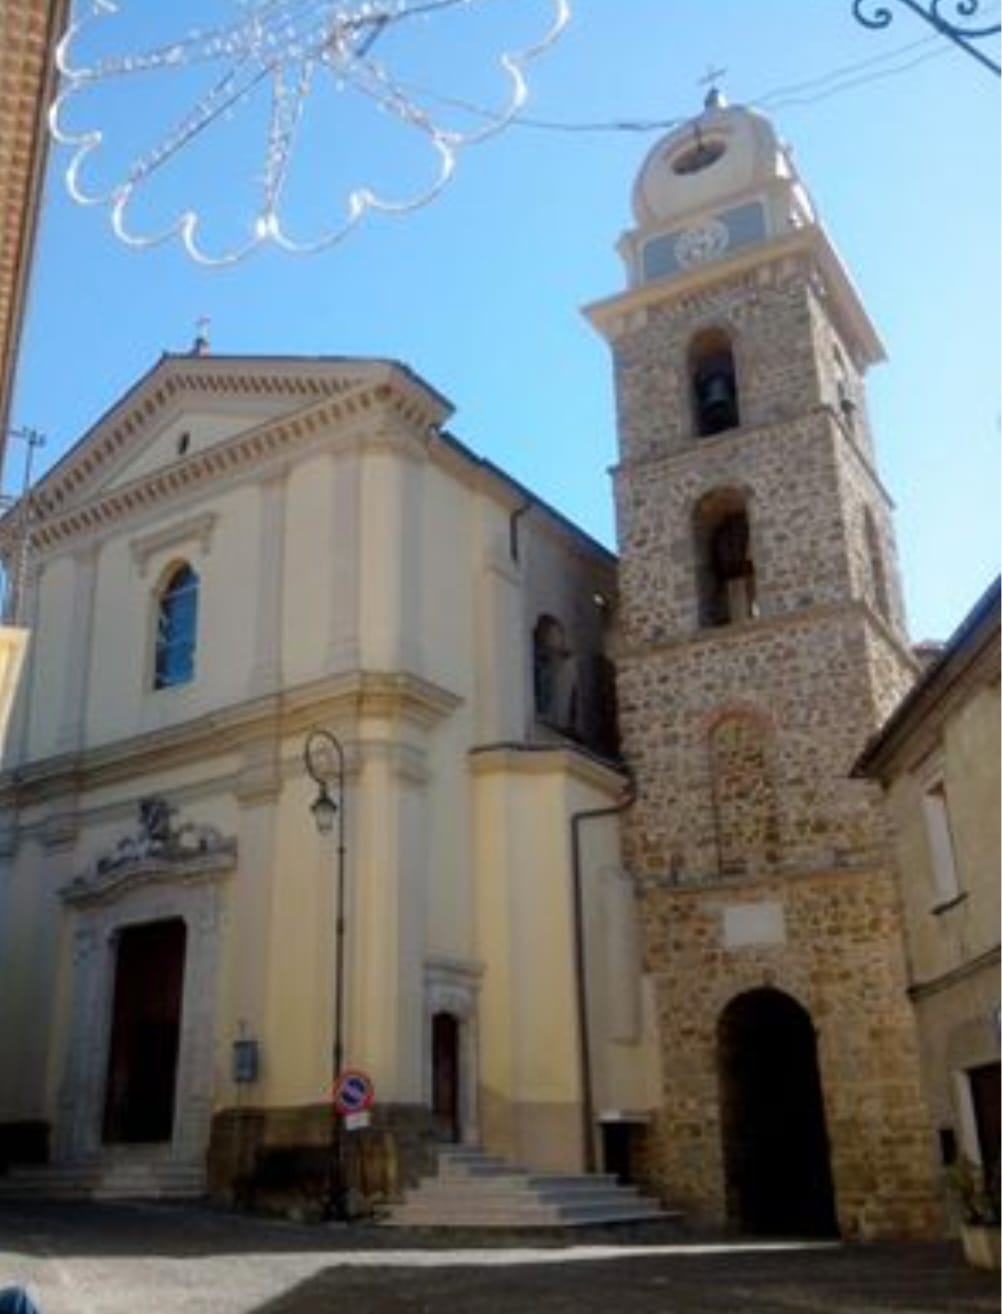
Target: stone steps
[(124, 1180), (474, 1189)]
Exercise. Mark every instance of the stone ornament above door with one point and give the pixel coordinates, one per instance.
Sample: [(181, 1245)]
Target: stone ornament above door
[(158, 852)]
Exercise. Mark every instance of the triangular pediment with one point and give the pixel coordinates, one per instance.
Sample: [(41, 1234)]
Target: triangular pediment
[(188, 404)]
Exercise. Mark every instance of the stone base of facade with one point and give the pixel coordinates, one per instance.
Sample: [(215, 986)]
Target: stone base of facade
[(277, 1158)]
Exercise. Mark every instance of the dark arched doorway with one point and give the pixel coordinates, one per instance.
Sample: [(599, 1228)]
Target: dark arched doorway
[(773, 1120), (445, 1076)]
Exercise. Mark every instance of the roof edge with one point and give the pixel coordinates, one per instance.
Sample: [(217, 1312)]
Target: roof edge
[(972, 637)]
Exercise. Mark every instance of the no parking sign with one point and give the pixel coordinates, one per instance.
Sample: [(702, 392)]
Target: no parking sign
[(354, 1092)]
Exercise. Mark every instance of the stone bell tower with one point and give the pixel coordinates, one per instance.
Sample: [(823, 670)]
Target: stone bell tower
[(761, 641)]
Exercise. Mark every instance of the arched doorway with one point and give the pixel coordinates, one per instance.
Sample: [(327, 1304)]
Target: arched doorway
[(445, 1102), (775, 1141)]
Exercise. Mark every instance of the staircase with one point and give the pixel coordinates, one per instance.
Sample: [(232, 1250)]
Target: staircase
[(474, 1189), (116, 1179)]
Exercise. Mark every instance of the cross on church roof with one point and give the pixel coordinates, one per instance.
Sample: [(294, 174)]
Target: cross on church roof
[(200, 346)]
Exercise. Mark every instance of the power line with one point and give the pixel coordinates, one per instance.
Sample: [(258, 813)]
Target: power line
[(796, 94)]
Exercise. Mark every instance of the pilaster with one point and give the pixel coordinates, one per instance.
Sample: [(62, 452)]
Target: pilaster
[(266, 672)]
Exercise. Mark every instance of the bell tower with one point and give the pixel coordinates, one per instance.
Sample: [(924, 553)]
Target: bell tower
[(761, 640)]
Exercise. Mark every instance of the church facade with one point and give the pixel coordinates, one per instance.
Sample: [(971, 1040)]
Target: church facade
[(666, 937), (240, 552)]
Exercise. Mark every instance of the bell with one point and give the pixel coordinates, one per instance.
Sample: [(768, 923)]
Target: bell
[(717, 402)]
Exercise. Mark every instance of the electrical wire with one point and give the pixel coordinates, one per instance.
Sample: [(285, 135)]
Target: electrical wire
[(794, 95)]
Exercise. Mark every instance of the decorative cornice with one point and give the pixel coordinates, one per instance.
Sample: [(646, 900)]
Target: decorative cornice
[(28, 77), (73, 499), (531, 759), (174, 380), (614, 315), (159, 852), (199, 527), (56, 527), (383, 408), (396, 696), (104, 887), (739, 631), (695, 452)]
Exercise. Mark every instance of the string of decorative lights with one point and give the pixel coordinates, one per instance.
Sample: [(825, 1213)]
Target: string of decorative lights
[(286, 44), (289, 44)]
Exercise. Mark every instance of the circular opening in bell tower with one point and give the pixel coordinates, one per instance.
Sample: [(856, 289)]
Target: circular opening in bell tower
[(697, 157)]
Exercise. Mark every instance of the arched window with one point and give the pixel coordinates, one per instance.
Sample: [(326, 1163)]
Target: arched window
[(844, 391), (724, 567), (714, 383), (744, 797), (875, 558), (177, 623), (549, 658)]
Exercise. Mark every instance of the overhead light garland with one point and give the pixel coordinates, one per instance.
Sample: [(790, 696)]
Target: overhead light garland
[(286, 51)]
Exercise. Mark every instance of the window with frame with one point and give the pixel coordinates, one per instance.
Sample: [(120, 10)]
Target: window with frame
[(177, 624), (946, 885)]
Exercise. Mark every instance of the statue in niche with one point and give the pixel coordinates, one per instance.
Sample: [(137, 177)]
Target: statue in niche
[(159, 838), (154, 820)]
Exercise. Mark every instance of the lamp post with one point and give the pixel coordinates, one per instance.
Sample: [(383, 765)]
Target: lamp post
[(328, 813)]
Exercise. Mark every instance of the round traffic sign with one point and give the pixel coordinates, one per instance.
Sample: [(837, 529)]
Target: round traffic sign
[(353, 1091)]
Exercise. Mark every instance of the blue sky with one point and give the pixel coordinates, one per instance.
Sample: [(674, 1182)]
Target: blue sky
[(481, 291)]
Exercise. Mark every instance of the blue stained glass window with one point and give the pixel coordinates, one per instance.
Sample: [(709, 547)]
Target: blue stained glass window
[(177, 622)]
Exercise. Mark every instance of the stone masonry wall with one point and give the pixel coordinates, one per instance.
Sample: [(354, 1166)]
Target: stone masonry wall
[(860, 493), (742, 735), (836, 367), (841, 959), (788, 476), (808, 681), (768, 315)]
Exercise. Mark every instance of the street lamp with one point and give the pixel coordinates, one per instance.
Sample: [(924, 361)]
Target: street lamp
[(328, 813)]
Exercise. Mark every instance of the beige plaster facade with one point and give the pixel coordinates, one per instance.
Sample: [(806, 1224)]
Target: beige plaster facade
[(28, 32), (360, 571), (938, 760), (760, 641)]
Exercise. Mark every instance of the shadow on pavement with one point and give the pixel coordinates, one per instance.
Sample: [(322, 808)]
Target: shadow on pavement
[(907, 1280)]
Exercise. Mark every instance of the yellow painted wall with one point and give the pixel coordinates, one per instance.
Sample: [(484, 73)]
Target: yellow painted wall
[(970, 757), (382, 562)]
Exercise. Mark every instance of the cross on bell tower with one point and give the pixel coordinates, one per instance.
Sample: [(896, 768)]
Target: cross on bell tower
[(714, 98)]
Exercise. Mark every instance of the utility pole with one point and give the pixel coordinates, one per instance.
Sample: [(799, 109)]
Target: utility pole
[(17, 570)]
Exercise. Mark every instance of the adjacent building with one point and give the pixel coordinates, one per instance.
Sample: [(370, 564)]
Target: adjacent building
[(938, 760), (28, 32)]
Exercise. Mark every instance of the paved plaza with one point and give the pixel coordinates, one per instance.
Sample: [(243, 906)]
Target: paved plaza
[(147, 1259)]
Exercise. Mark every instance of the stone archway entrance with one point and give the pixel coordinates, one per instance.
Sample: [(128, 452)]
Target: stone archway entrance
[(775, 1142), (145, 1033)]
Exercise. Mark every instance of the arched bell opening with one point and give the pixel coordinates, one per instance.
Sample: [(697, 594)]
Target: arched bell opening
[(724, 565), (714, 383), (775, 1140)]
